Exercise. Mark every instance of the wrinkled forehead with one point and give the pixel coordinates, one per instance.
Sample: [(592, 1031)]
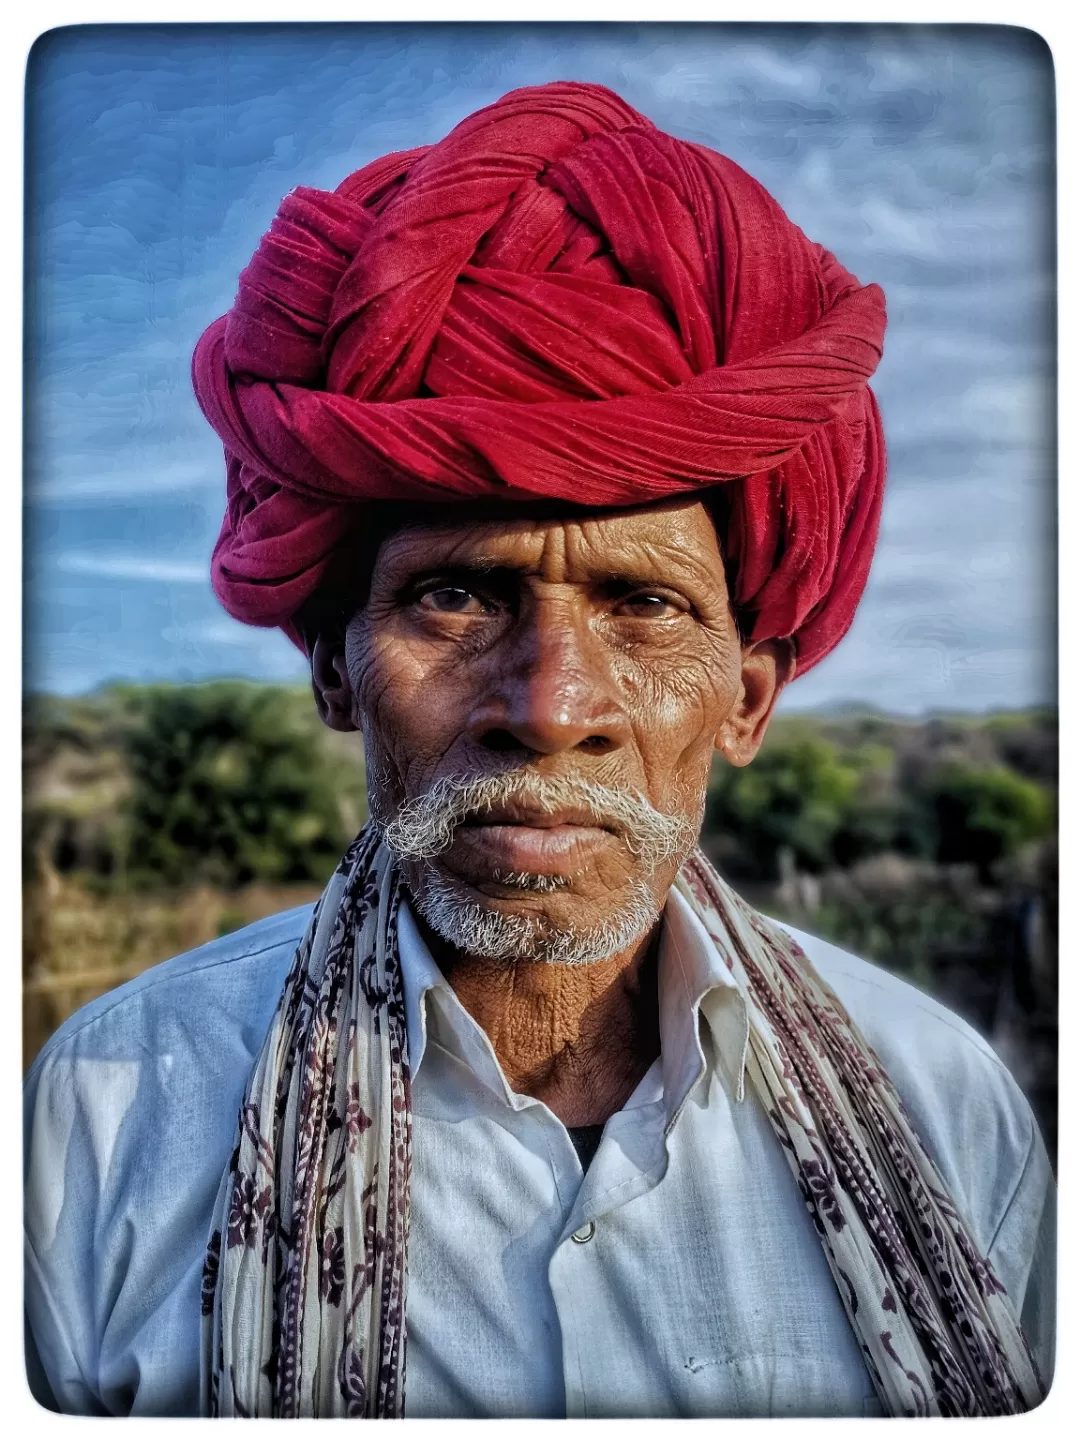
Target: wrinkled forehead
[(558, 538)]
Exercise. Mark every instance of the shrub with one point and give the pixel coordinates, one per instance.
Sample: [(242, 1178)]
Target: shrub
[(231, 785), (795, 795), (985, 814)]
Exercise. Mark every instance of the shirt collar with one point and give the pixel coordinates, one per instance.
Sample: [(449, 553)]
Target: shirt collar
[(694, 979), (419, 975)]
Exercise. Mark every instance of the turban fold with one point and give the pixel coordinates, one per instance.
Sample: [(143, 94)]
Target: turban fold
[(558, 300)]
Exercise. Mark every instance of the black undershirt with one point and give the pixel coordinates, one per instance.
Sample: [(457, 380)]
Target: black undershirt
[(586, 1140)]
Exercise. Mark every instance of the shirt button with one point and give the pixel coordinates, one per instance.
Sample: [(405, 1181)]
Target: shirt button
[(585, 1234)]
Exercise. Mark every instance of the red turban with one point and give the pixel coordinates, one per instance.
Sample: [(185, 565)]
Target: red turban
[(557, 300)]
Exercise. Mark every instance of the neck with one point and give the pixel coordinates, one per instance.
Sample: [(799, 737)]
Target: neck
[(577, 1037)]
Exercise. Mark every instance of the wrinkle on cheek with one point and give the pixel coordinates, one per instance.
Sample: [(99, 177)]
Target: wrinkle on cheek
[(374, 693), (401, 702), (683, 693), (375, 664), (675, 712)]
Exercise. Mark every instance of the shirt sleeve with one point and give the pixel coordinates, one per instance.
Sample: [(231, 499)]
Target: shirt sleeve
[(54, 1371), (1023, 1254), (35, 1372)]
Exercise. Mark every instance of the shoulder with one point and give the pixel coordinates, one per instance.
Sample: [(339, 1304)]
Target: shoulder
[(169, 1051), (893, 1010), (231, 983), (164, 1056), (969, 1111)]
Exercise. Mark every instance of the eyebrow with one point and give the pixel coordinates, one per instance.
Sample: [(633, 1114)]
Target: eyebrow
[(498, 568), (482, 565), (501, 577)]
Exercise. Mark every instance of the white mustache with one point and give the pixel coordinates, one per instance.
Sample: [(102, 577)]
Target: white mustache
[(425, 826)]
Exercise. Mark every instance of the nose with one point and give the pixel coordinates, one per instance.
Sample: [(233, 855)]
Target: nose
[(551, 691)]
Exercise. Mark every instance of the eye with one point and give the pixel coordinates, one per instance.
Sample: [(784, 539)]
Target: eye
[(451, 600), (649, 605)]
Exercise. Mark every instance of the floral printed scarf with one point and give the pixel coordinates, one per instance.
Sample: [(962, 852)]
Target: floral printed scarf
[(305, 1276)]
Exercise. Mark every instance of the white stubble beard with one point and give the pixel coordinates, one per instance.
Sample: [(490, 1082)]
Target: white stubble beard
[(449, 905)]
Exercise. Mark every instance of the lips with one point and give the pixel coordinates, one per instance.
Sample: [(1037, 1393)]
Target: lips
[(533, 818), (520, 838)]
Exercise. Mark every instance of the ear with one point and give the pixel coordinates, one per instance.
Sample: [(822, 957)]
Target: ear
[(766, 668), (330, 683)]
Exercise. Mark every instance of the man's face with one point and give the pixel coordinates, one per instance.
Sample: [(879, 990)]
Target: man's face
[(597, 659)]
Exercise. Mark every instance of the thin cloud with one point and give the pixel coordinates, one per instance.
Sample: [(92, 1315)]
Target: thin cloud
[(148, 483), (134, 567)]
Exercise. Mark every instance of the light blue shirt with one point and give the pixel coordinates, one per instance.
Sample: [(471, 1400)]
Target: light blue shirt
[(680, 1276)]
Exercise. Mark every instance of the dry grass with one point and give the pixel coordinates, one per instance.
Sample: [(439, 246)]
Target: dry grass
[(78, 945)]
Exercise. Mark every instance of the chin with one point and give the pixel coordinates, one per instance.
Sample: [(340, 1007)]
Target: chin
[(531, 920)]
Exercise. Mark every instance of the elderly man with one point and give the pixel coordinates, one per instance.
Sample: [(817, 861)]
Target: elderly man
[(552, 446)]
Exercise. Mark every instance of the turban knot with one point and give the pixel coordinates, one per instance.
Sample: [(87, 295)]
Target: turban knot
[(558, 300)]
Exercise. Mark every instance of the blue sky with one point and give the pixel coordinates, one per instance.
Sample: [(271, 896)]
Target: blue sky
[(922, 156)]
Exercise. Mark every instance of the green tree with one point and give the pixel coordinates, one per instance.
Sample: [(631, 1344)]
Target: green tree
[(231, 784), (985, 814), (795, 795)]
